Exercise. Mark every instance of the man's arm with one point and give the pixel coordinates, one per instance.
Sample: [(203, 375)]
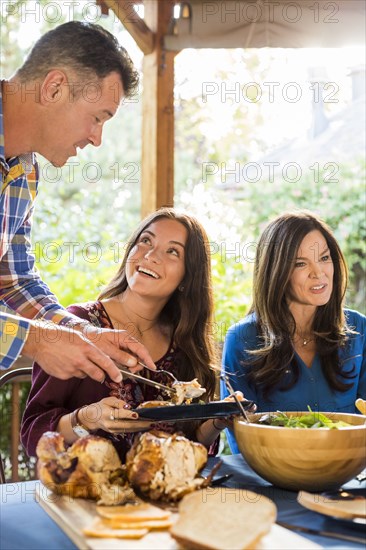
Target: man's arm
[(25, 293), (21, 288), (64, 352), (55, 345)]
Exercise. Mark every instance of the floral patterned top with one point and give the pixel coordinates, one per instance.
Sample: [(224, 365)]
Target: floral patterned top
[(50, 398)]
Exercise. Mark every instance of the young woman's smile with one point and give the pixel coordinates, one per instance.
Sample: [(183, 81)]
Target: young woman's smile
[(156, 263)]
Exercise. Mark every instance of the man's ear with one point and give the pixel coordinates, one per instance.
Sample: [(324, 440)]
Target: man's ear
[(53, 87)]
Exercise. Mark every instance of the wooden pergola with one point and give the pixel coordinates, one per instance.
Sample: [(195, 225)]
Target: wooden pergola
[(220, 24)]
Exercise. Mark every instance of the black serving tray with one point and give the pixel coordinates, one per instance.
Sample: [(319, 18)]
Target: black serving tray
[(215, 409)]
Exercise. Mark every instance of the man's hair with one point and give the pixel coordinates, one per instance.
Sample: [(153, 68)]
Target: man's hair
[(86, 49)]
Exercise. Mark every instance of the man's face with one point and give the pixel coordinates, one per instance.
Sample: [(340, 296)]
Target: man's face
[(71, 123)]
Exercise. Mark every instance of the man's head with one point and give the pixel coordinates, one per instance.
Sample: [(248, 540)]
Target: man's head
[(72, 82), (88, 51)]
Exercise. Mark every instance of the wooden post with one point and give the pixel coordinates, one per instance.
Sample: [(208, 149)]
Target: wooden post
[(157, 165), (157, 170)]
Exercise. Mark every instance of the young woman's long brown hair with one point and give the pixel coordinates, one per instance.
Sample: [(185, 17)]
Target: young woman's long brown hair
[(189, 311), (275, 258)]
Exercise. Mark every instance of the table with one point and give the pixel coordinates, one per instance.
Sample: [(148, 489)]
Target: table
[(25, 525)]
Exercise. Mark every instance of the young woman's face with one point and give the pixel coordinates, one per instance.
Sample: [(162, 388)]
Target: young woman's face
[(155, 265), (311, 282)]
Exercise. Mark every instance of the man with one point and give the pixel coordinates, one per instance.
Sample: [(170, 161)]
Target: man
[(72, 82)]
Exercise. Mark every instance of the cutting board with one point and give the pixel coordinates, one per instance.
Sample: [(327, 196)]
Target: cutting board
[(73, 514)]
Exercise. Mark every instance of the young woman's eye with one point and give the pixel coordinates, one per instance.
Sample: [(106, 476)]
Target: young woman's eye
[(173, 251), (145, 240)]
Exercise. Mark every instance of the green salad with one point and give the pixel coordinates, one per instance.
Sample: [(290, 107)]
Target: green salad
[(310, 420)]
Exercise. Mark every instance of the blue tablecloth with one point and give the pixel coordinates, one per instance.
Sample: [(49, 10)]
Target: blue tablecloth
[(288, 509), (25, 525)]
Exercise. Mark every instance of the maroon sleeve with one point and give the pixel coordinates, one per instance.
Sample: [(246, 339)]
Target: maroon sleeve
[(50, 398), (81, 312), (47, 402)]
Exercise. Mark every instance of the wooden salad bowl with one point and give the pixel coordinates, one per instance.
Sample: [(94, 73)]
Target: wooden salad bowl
[(314, 460)]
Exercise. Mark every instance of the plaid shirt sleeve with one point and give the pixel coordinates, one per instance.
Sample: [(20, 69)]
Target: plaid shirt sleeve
[(13, 332), (22, 291), (21, 288)]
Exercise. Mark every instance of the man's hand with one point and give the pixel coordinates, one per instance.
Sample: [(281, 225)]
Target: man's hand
[(112, 342), (63, 352)]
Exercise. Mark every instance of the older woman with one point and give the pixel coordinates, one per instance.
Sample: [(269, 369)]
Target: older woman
[(298, 346), (162, 294)]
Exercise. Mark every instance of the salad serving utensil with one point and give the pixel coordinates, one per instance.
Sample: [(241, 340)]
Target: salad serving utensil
[(243, 413)]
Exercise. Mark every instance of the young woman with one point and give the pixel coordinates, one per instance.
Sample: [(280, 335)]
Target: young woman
[(298, 347), (162, 295)]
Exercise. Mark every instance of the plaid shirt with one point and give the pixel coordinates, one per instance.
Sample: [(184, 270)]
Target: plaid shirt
[(22, 291)]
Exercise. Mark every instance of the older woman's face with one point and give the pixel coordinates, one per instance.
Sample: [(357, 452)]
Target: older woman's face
[(156, 264), (311, 282)]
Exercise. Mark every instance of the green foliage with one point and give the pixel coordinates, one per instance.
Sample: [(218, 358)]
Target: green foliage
[(232, 291)]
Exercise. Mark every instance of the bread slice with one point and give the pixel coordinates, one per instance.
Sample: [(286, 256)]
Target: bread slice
[(148, 524), (223, 519), (98, 529), (129, 521), (133, 513)]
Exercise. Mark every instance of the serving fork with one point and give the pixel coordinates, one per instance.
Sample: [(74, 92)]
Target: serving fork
[(170, 374), (147, 381)]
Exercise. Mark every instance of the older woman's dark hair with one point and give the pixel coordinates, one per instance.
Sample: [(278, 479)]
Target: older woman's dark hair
[(189, 311), (88, 50), (275, 259)]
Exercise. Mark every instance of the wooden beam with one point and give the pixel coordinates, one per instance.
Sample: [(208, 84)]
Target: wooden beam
[(157, 170), (140, 32), (103, 7)]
